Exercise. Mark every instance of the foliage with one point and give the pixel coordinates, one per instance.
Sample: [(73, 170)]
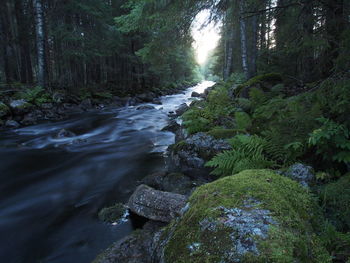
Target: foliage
[(249, 152), (36, 95), (243, 120), (220, 133), (335, 200), (293, 239), (332, 141)]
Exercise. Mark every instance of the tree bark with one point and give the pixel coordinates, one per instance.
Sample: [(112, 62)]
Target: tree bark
[(40, 42), (243, 40)]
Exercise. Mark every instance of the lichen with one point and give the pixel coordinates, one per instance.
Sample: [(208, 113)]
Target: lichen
[(268, 214)]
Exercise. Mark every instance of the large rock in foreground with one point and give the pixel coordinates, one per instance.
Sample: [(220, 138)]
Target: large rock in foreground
[(156, 205), (254, 216)]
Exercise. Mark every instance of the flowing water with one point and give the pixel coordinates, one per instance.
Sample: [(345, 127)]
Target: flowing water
[(52, 188)]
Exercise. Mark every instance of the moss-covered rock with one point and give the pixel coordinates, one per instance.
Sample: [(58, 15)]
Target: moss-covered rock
[(254, 216), (4, 109), (113, 213), (224, 133)]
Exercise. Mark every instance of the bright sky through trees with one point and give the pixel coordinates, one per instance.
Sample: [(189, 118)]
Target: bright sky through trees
[(205, 38)]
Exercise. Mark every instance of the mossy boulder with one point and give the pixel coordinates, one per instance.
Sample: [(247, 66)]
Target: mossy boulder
[(224, 133), (264, 82), (4, 109), (254, 216), (20, 107), (113, 213)]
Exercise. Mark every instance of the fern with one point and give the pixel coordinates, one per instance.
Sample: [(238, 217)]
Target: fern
[(248, 153)]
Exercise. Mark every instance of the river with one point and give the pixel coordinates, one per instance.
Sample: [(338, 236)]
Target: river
[(52, 188)]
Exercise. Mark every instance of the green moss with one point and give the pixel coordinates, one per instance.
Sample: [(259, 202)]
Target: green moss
[(243, 120), (181, 145), (103, 95), (335, 198), (4, 109), (112, 214), (292, 239), (224, 133), (270, 77)]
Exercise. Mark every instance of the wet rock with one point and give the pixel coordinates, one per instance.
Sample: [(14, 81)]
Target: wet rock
[(301, 173), (171, 182), (46, 106), (4, 109), (156, 205), (135, 248), (86, 104), (20, 107), (195, 95), (172, 126), (145, 107), (157, 101), (147, 97), (29, 119), (12, 124), (190, 155), (113, 213), (182, 109), (63, 133)]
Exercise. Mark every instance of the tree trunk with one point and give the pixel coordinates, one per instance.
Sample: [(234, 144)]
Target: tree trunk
[(243, 39), (40, 42), (254, 47)]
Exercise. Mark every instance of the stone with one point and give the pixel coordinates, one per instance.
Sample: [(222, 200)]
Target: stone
[(86, 104), (171, 182), (147, 97), (20, 107), (195, 95), (29, 119), (113, 213), (172, 126), (135, 248), (157, 101), (12, 124), (63, 133), (156, 205), (46, 106), (182, 109), (145, 107), (301, 173), (236, 219)]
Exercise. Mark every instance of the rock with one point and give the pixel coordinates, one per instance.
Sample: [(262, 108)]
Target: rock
[(135, 248), (58, 97), (12, 124), (63, 133), (4, 110), (145, 107), (171, 182), (119, 102), (46, 106), (146, 97), (29, 119), (182, 109), (86, 104), (113, 213), (157, 101), (190, 155), (195, 95), (20, 107), (248, 217), (156, 205), (172, 126), (301, 173)]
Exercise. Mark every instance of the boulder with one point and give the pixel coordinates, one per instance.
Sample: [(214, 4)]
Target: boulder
[(190, 155), (156, 205), (46, 106), (4, 109), (113, 213), (63, 133), (182, 109), (172, 126), (301, 173), (12, 124), (171, 182), (29, 119), (86, 104), (157, 101), (21, 107), (145, 107), (135, 248), (253, 216), (195, 95), (147, 97)]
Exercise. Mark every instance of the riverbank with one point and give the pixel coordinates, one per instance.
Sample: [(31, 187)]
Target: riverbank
[(267, 214), (30, 106)]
